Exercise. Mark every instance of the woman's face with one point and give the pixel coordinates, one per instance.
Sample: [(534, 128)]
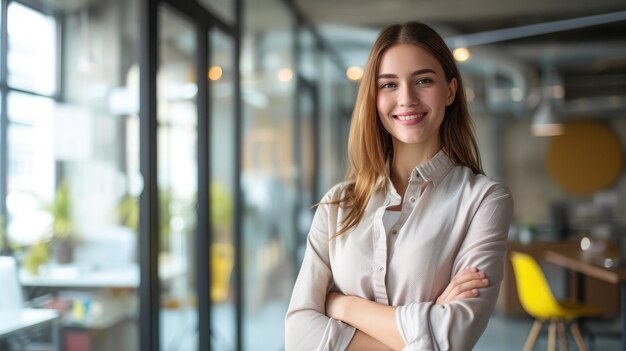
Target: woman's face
[(412, 95)]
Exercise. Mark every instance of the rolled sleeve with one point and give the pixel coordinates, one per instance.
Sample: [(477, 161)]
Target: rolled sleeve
[(459, 324), (306, 325)]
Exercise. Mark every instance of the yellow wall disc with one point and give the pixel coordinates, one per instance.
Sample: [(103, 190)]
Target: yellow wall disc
[(588, 157)]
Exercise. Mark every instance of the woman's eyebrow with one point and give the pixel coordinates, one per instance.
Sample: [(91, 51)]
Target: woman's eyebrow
[(416, 73)]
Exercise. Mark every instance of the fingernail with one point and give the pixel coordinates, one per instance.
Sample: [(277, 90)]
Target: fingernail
[(481, 274), (485, 280), (473, 269), (475, 292)]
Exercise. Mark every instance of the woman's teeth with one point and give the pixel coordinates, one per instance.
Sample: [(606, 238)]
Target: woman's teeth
[(409, 117)]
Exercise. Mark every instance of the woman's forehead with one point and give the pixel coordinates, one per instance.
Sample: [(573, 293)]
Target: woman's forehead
[(407, 57)]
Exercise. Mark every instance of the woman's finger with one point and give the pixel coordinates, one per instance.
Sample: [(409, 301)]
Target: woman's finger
[(468, 286), (463, 290), (462, 278)]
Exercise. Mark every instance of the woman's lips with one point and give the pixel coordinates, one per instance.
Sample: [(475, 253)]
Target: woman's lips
[(409, 118)]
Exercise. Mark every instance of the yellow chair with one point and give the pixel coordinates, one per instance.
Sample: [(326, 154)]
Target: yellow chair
[(222, 260), (539, 302)]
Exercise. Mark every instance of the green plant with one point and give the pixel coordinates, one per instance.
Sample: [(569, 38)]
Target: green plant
[(61, 210), (128, 212), (4, 239), (221, 207), (165, 217), (36, 256)]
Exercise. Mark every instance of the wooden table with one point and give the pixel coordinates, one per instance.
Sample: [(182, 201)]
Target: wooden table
[(590, 264)]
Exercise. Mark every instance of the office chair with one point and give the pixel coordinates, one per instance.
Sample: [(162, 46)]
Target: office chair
[(539, 302)]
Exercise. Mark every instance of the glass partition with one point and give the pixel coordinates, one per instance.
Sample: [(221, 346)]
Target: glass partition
[(177, 179), (222, 190), (72, 166), (269, 172)]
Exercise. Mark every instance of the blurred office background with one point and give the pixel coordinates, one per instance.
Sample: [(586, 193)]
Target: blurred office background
[(159, 159)]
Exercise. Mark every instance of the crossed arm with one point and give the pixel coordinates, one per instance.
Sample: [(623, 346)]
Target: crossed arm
[(381, 332), (359, 324)]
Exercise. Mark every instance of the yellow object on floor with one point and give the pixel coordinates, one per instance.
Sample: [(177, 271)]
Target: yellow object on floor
[(539, 302)]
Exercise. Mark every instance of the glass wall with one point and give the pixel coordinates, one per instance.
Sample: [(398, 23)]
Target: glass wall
[(30, 143), (269, 172), (222, 189), (72, 166), (336, 101), (177, 178), (71, 118)]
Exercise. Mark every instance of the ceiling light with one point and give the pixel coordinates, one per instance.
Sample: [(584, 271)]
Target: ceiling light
[(215, 73), (285, 74), (517, 94), (354, 73), (461, 54), (545, 122)]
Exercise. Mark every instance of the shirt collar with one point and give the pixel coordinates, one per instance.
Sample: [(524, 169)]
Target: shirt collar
[(435, 169)]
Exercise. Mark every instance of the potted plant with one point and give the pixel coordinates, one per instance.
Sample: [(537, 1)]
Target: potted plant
[(63, 236), (128, 212)]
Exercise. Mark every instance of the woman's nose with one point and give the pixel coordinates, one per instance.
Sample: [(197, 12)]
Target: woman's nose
[(407, 97)]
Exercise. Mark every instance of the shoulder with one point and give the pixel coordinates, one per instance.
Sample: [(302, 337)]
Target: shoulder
[(337, 192), (480, 186)]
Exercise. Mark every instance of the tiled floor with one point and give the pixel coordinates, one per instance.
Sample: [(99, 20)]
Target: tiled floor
[(510, 334), (502, 333)]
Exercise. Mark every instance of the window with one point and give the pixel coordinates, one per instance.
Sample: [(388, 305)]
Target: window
[(31, 66)]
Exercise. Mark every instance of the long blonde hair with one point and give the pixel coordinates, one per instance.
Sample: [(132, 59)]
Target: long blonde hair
[(370, 146)]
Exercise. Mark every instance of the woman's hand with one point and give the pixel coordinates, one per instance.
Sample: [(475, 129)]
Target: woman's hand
[(464, 285)]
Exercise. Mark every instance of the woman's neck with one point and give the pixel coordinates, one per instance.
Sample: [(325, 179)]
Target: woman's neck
[(405, 158)]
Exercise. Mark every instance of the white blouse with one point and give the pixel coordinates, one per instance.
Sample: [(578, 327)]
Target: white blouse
[(457, 220)]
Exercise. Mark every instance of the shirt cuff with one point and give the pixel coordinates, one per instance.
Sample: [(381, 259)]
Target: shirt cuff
[(414, 323), (337, 336)]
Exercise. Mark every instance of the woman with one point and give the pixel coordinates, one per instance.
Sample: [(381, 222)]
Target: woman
[(415, 211)]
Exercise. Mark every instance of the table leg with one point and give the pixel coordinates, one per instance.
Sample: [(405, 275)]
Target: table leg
[(622, 309), (56, 334)]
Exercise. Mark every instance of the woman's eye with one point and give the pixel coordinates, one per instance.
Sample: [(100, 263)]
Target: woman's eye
[(424, 81), (387, 85)]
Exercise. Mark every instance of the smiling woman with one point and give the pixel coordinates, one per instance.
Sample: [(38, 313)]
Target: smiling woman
[(412, 95), (408, 253)]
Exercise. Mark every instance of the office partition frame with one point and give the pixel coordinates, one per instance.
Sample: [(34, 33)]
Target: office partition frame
[(203, 22)]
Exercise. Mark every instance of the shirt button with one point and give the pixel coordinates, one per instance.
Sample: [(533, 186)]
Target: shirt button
[(412, 199), (394, 232), (381, 268)]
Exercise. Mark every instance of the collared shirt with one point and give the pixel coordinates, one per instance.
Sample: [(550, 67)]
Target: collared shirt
[(451, 219)]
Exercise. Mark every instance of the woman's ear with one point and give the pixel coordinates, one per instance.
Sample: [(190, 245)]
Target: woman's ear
[(451, 91)]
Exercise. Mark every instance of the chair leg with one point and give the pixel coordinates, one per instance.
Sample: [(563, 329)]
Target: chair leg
[(577, 337), (552, 336), (532, 336), (562, 336)]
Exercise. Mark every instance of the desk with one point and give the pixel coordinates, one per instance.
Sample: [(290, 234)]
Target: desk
[(586, 263), (30, 318), (77, 276)]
